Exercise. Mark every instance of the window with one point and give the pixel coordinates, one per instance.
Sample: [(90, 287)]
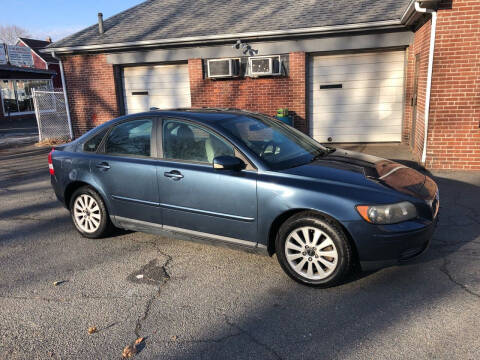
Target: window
[(130, 138), (92, 144), (17, 94), (183, 141)]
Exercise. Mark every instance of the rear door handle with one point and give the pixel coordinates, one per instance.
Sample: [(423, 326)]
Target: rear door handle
[(103, 165), (174, 174)]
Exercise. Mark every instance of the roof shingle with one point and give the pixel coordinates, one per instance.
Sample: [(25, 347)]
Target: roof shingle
[(166, 19)]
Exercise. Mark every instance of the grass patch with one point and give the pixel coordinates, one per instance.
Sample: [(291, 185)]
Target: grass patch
[(53, 142)]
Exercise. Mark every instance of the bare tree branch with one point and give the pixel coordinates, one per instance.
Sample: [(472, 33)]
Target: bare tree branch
[(9, 34)]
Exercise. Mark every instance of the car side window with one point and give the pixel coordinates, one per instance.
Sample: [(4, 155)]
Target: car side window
[(187, 142), (130, 138)]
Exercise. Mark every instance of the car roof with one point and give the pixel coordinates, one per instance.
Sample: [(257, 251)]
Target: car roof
[(207, 115)]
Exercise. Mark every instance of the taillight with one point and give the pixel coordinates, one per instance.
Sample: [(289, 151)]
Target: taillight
[(50, 163)]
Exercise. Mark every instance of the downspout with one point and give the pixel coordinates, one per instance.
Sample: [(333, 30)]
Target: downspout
[(67, 107), (429, 73)]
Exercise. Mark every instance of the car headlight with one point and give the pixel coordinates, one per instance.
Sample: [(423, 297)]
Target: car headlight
[(387, 214)]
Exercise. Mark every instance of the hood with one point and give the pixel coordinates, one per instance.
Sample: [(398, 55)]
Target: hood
[(351, 165)]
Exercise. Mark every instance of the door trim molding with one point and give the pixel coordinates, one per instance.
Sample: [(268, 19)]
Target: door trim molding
[(204, 212), (145, 224), (138, 201)]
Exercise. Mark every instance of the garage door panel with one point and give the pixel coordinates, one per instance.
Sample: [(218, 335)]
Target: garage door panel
[(156, 79), (359, 138), (356, 96), (364, 130), (336, 78), (357, 117), (155, 70), (348, 122), (362, 107), (167, 87), (160, 89), (362, 84), (341, 99), (356, 68), (368, 107)]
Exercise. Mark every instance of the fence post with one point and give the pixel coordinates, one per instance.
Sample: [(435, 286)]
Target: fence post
[(37, 115)]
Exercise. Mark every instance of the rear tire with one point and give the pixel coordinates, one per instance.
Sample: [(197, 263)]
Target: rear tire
[(89, 213), (313, 250)]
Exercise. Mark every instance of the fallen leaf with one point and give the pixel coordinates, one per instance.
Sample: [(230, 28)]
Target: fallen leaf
[(139, 340), (92, 329), (173, 338), (56, 283), (129, 351)]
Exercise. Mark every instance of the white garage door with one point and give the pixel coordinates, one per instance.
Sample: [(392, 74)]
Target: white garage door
[(161, 86), (356, 97)]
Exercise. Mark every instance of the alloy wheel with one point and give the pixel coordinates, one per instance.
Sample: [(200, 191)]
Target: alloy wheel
[(87, 213), (311, 253)]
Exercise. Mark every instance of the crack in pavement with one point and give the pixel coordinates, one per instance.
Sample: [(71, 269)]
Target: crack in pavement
[(444, 269), (156, 294), (252, 338)]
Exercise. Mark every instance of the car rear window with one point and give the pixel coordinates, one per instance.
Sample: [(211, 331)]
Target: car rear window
[(92, 144)]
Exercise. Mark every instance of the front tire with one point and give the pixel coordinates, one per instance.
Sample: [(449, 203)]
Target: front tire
[(89, 213), (313, 250)]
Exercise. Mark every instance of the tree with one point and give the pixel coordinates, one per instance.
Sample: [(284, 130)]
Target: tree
[(9, 34)]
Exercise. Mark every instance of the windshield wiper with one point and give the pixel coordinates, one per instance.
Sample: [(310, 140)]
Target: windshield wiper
[(328, 150)]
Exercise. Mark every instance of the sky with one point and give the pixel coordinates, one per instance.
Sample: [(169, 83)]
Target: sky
[(58, 18)]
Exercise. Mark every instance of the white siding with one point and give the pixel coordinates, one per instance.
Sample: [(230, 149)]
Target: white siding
[(168, 87), (368, 107)]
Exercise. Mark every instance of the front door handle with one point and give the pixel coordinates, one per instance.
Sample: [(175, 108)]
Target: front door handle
[(174, 174), (103, 166)]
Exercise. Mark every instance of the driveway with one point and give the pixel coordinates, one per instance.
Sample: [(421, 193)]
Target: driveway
[(204, 302)]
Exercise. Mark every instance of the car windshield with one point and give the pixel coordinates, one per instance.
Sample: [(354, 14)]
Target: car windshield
[(276, 144)]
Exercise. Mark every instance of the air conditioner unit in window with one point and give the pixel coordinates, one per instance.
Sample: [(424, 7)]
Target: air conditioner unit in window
[(223, 68), (265, 65)]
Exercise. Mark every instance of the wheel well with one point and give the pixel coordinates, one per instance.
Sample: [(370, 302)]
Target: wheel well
[(71, 189), (286, 215)]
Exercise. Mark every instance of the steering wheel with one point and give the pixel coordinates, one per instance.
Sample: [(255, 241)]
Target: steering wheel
[(266, 146)]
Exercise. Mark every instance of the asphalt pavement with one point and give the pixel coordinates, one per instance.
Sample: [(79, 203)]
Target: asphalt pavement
[(198, 301)]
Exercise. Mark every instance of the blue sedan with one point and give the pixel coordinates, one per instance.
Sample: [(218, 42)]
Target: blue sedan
[(247, 180)]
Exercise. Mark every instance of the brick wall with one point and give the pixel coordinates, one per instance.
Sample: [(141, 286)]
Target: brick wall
[(263, 95), (57, 79), (420, 47), (454, 133), (91, 91)]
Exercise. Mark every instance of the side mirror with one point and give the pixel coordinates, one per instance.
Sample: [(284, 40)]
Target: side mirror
[(226, 162)]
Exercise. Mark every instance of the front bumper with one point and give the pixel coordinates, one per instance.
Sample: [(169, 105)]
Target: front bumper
[(385, 245)]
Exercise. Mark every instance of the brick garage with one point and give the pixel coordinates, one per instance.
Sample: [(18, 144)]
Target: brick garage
[(454, 123), (94, 78)]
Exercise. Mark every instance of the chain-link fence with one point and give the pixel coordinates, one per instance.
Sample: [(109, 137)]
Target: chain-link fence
[(51, 113)]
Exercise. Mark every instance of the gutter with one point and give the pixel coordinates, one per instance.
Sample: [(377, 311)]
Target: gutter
[(429, 74), (229, 37), (64, 85)]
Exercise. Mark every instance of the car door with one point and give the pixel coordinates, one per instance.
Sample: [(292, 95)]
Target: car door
[(195, 197), (125, 168)]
